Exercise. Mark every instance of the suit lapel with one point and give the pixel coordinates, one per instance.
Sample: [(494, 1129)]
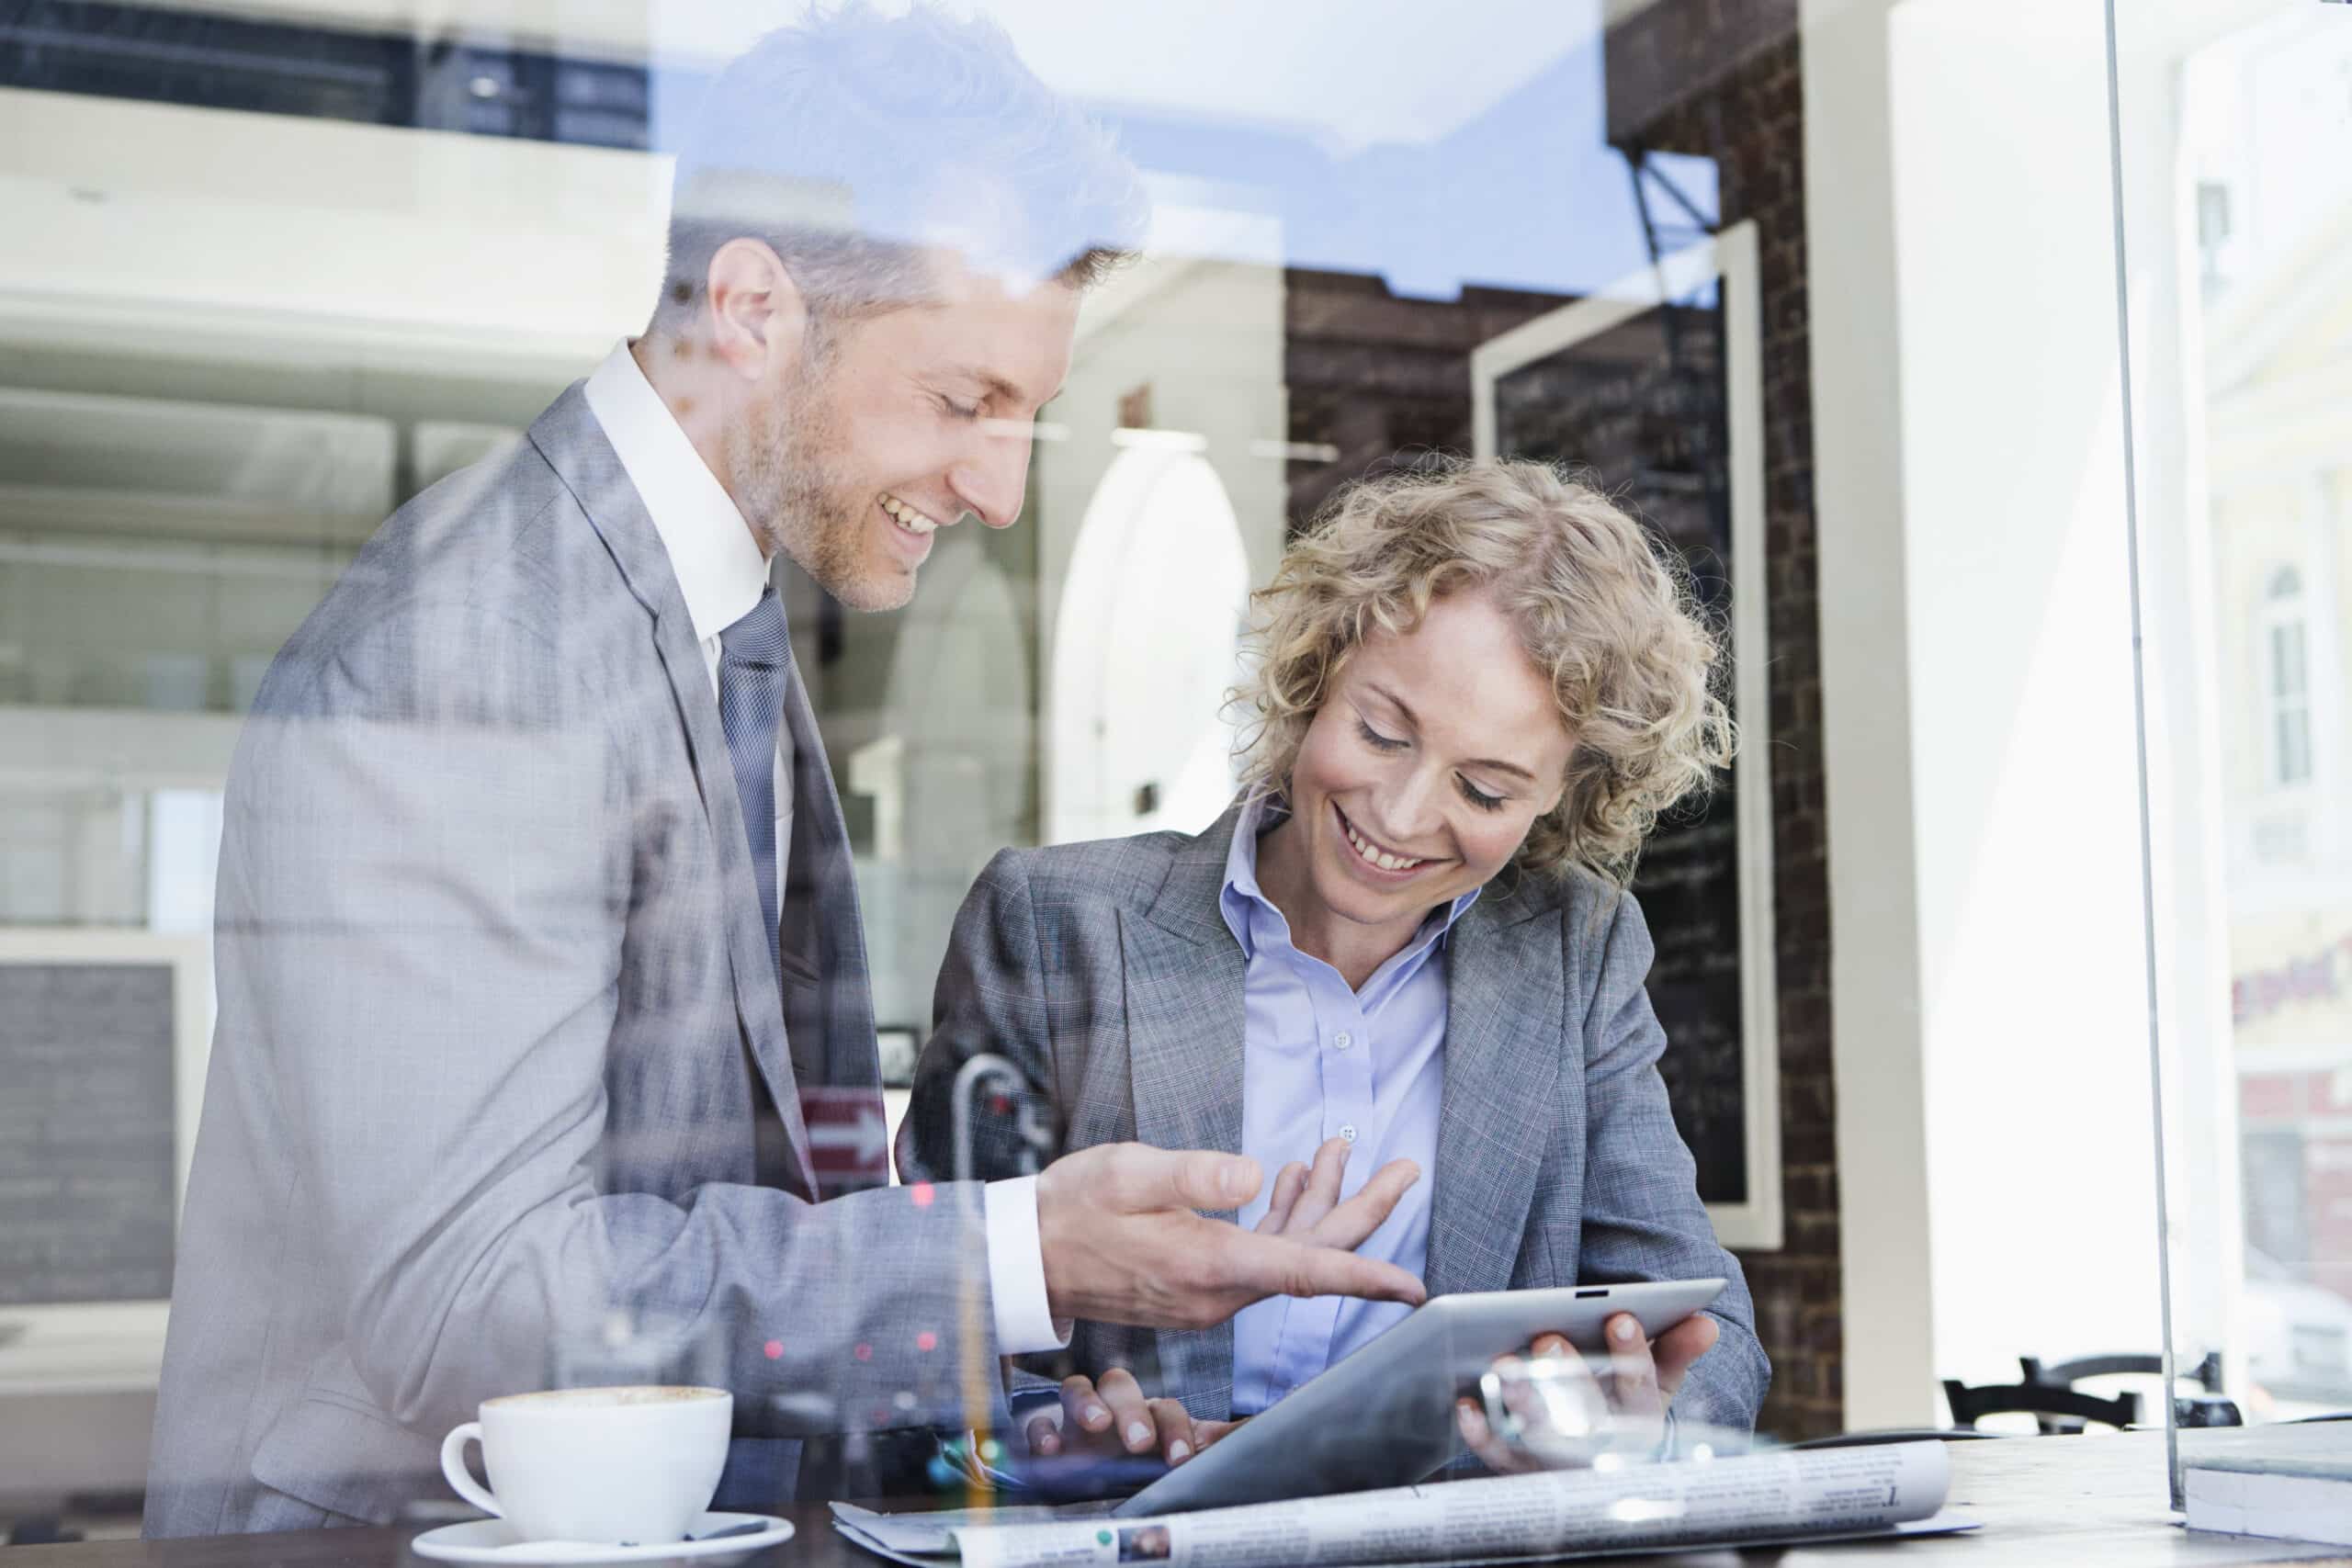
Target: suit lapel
[(1184, 980), (1504, 1043), (829, 1002), (1185, 976), (568, 435)]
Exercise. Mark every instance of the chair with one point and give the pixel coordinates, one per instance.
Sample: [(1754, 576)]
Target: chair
[(2207, 1373), (2206, 1409), (2056, 1409)]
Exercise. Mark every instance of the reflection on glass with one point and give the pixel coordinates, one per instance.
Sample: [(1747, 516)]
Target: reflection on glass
[(1145, 648), (2228, 172), (212, 395), (2257, 104)]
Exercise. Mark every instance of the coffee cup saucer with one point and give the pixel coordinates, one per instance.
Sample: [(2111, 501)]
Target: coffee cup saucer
[(496, 1541)]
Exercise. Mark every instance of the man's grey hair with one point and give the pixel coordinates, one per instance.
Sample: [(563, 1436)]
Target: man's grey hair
[(853, 143)]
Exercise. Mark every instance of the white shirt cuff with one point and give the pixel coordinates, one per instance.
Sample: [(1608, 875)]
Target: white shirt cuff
[(1017, 1270)]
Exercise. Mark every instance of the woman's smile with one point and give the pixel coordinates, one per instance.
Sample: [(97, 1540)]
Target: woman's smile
[(1373, 859)]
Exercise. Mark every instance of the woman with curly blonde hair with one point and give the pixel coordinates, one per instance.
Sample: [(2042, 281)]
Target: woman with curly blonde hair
[(1406, 948)]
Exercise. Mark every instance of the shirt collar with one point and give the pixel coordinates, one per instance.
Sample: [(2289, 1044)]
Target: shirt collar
[(1241, 895), (718, 564)]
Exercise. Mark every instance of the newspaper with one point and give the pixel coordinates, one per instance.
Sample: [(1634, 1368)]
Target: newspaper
[(1758, 1499)]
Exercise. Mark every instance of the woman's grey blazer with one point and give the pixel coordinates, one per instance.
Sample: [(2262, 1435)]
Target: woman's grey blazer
[(1106, 974)]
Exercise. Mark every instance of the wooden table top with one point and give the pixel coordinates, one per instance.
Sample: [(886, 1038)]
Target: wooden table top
[(2074, 1501)]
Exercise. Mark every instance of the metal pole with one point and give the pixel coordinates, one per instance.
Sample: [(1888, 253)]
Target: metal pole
[(2140, 737)]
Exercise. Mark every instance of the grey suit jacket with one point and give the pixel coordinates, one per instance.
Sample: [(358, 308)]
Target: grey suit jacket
[(495, 1015), (1106, 974)]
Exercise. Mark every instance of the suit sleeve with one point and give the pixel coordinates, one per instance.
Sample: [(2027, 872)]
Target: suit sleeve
[(426, 870), (1643, 1218), (990, 1001)]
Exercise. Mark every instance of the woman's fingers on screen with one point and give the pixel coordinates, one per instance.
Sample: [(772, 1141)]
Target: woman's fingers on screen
[(1206, 1433), (1083, 1404), (1173, 1423), (1130, 1413), (1681, 1344)]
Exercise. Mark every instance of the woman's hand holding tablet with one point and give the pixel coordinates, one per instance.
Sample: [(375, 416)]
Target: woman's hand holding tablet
[(1555, 1405)]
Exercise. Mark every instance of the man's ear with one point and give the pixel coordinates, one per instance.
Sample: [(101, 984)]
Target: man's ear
[(758, 316)]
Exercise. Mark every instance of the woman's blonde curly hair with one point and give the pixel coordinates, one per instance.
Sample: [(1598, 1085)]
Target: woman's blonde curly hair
[(1608, 615)]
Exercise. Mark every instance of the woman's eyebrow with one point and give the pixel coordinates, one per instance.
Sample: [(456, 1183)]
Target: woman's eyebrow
[(1402, 706)]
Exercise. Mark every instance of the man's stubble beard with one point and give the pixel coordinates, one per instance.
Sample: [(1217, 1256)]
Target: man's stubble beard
[(783, 453)]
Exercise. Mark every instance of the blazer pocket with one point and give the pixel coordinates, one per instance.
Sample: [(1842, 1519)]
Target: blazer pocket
[(347, 1460)]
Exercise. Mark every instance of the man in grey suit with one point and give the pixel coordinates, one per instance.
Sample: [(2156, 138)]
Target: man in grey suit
[(537, 949)]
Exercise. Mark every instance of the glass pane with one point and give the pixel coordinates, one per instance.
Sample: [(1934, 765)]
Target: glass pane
[(2287, 643), (2228, 117), (607, 972)]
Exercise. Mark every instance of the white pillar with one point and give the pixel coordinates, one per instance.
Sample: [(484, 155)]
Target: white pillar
[(1866, 715), (1989, 988)]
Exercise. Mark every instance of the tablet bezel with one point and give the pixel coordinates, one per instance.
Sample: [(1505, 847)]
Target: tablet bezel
[(1382, 1416)]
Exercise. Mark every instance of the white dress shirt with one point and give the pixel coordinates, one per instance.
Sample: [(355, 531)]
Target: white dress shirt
[(720, 575)]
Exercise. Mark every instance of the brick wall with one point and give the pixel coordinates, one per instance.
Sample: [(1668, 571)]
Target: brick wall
[(1381, 378), (1720, 78)]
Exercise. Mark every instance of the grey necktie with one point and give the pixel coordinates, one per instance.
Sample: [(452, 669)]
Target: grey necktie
[(754, 664), (828, 1011)]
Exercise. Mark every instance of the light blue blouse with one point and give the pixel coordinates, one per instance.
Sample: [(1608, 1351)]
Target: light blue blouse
[(1321, 1061)]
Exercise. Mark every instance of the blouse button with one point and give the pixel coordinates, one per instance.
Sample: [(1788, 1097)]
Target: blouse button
[(1349, 1132), (1342, 1040)]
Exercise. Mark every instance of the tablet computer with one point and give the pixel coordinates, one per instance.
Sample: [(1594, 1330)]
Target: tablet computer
[(1384, 1416)]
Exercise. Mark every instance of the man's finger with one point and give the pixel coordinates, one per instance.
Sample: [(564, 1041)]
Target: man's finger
[(1681, 1344), (1322, 1193), (1633, 1375), (1348, 1225), (1142, 1179), (1264, 1265), (1045, 1437), (1288, 1183)]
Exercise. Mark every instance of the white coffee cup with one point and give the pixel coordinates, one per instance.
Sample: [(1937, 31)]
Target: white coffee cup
[(601, 1464)]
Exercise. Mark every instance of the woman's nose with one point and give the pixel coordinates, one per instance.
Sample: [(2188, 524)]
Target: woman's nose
[(1412, 811)]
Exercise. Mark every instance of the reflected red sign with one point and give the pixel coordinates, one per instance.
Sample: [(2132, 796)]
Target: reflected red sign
[(2325, 976)]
